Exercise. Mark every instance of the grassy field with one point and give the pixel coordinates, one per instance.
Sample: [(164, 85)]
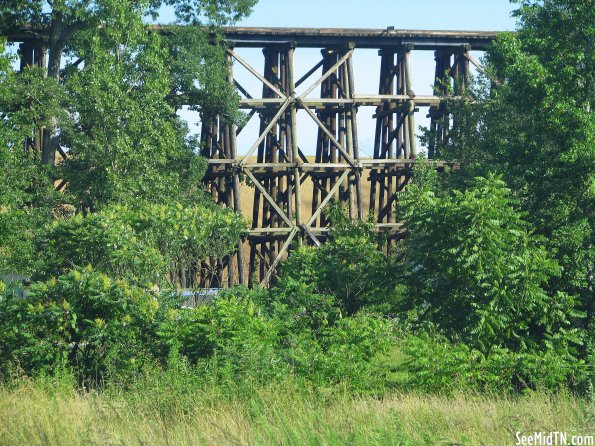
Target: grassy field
[(36, 415)]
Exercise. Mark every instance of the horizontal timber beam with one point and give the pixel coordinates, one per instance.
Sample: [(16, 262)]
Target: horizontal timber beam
[(392, 228), (358, 100), (251, 37), (361, 38)]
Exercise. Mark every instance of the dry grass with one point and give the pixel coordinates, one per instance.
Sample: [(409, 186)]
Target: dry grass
[(307, 190), (277, 415)]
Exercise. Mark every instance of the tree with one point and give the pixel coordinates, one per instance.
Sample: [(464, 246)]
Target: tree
[(476, 272), (109, 99), (535, 127), (124, 90), (146, 247), (27, 101)]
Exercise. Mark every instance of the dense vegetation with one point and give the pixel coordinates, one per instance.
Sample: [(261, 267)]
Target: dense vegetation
[(491, 290)]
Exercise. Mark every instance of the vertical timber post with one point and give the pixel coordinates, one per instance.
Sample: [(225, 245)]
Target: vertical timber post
[(34, 54), (236, 191)]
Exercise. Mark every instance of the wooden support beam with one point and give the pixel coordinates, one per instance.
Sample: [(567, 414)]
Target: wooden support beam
[(242, 89), (327, 74), (310, 234), (332, 138), (270, 199), (357, 100), (309, 73), (267, 277), (328, 198), (256, 73), (266, 130), (480, 67)]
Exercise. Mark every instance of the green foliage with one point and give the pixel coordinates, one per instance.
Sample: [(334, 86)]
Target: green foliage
[(232, 336), (128, 144), (18, 232), (107, 331), (437, 365), (200, 74), (217, 12), (109, 100), (534, 126), (265, 335), (82, 320), (144, 246), (27, 102), (320, 343), (111, 94), (349, 266), (477, 274)]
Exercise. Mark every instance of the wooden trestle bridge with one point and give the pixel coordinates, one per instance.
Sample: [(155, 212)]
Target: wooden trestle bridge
[(281, 215)]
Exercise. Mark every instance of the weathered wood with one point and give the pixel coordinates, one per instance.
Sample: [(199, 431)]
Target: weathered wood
[(294, 142), (362, 38), (251, 69), (328, 198), (327, 74), (346, 155), (253, 37), (311, 235), (342, 103), (267, 277), (264, 134), (310, 72)]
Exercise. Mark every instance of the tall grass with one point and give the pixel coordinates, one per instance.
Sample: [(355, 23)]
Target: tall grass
[(163, 411)]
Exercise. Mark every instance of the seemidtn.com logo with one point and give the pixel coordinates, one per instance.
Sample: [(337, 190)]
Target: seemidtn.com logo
[(553, 439)]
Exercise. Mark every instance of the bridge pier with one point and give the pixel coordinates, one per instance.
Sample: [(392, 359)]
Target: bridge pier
[(279, 171)]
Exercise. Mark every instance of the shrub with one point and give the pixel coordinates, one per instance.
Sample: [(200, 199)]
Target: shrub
[(477, 274), (349, 266), (437, 365), (145, 246), (18, 230), (82, 320), (321, 344), (232, 333)]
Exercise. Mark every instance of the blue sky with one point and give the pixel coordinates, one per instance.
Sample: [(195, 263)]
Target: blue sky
[(480, 15), (476, 15)]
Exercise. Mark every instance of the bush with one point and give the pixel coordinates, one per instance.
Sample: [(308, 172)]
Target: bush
[(82, 320), (349, 266), (18, 230), (145, 246), (320, 343), (477, 273), (435, 364), (231, 333)]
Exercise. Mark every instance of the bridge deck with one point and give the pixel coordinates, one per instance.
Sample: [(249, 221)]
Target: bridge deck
[(252, 37), (362, 38)]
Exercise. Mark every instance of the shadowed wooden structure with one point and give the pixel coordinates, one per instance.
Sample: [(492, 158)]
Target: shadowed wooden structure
[(276, 166)]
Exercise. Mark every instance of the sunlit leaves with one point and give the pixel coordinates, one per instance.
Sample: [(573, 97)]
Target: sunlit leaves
[(475, 269)]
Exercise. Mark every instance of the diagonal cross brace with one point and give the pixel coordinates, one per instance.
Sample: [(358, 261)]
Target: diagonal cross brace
[(328, 133), (328, 198), (283, 250), (256, 73), (269, 198), (266, 130), (327, 74)]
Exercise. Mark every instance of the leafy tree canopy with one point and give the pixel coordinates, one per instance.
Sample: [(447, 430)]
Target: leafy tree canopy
[(108, 98), (534, 126), (477, 273)]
